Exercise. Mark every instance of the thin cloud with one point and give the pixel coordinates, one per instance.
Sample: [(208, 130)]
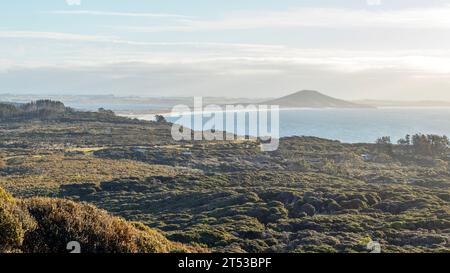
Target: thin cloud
[(53, 36), (121, 14), (230, 58), (116, 40), (434, 17)]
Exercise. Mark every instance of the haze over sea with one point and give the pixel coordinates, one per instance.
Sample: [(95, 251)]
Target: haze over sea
[(359, 125)]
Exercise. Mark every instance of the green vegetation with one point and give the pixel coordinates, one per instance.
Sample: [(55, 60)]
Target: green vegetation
[(42, 109), (311, 195), (48, 110), (42, 225)]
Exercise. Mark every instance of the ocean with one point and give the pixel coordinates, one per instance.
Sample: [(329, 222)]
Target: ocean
[(356, 125)]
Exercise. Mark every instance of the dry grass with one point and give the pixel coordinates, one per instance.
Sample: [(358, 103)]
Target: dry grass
[(46, 172)]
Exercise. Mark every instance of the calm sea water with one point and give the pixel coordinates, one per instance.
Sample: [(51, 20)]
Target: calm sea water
[(359, 125)]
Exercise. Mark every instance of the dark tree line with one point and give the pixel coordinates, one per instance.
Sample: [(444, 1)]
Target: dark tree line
[(419, 144), (35, 109), (431, 145)]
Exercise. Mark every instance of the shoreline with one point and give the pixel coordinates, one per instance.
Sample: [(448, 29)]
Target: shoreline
[(151, 114)]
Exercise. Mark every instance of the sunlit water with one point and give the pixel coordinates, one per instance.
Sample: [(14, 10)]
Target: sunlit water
[(357, 125)]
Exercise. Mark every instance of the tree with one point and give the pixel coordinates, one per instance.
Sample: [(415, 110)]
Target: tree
[(405, 141), (7, 110), (160, 119), (106, 112), (384, 145), (45, 109), (439, 144), (430, 145), (384, 140)]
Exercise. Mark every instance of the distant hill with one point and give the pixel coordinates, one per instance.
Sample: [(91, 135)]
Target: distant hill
[(312, 99)]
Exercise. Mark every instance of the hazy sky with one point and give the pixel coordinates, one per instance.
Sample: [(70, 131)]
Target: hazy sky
[(380, 49)]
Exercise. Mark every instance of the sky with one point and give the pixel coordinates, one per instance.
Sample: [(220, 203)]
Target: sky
[(352, 49)]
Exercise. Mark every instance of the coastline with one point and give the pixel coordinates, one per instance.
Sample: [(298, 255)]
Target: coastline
[(151, 114)]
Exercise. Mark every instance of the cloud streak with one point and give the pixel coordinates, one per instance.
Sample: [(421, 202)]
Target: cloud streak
[(118, 14), (54, 36), (433, 17), (116, 40), (240, 54)]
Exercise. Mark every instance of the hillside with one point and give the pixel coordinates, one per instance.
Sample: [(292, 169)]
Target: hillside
[(312, 99), (44, 225), (311, 195)]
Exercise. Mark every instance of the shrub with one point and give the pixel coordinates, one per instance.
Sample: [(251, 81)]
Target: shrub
[(354, 204), (61, 221), (4, 196), (44, 225), (151, 241), (309, 209), (14, 222), (203, 234), (333, 206)]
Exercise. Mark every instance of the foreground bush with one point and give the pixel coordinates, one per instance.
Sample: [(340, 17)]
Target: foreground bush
[(44, 225), (13, 223)]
